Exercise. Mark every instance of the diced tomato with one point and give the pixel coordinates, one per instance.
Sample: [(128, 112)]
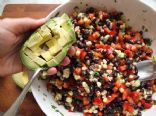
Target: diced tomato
[(129, 53), (85, 101), (146, 105), (78, 71), (127, 107), (122, 68), (97, 101), (83, 54), (107, 30)]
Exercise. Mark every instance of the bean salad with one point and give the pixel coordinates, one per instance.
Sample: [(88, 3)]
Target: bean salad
[(102, 79)]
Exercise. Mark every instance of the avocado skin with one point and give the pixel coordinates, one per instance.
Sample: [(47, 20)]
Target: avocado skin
[(58, 34)]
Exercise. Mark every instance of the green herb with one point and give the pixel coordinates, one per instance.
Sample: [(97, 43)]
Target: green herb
[(83, 72), (148, 41), (154, 102), (143, 27), (146, 30), (96, 73)]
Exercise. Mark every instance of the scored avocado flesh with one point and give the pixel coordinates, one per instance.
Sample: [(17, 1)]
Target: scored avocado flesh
[(49, 44)]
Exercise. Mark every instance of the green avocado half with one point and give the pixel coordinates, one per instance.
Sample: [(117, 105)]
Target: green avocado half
[(48, 45)]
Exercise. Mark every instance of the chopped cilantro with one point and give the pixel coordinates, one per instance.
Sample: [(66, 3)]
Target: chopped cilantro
[(148, 41), (154, 102)]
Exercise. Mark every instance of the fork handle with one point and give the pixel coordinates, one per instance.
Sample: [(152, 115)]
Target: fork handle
[(12, 111)]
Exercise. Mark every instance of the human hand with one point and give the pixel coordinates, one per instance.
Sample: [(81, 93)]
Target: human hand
[(13, 32)]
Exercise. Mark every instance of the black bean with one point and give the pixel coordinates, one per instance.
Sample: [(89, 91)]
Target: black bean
[(139, 113), (90, 10)]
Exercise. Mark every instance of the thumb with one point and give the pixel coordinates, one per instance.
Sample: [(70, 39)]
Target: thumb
[(21, 25)]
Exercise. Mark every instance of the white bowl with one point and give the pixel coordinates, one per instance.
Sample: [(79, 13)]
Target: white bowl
[(139, 15)]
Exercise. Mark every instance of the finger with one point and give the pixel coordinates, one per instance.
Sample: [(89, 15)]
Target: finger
[(52, 71), (71, 51), (21, 25), (65, 61)]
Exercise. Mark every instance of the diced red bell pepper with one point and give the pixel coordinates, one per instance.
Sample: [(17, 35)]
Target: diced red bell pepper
[(112, 33), (79, 97), (98, 46), (83, 54), (94, 36), (97, 101), (125, 94), (114, 25), (120, 36), (129, 53), (111, 98), (135, 95), (110, 56), (98, 28), (146, 105), (107, 30), (78, 71), (127, 107)]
